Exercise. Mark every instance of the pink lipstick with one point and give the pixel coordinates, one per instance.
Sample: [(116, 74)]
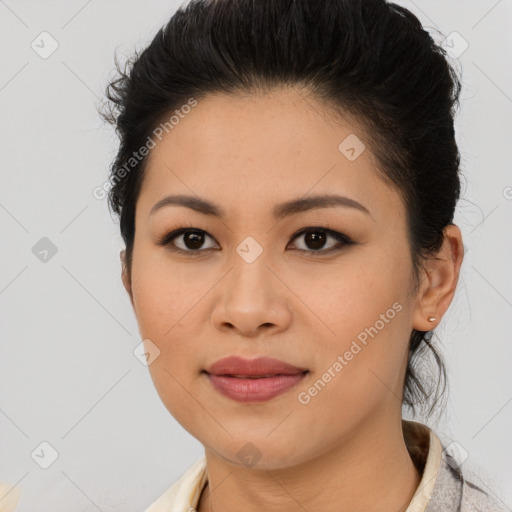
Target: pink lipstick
[(253, 380)]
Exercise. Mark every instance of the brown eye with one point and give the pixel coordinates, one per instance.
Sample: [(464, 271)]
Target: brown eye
[(192, 240), (315, 240)]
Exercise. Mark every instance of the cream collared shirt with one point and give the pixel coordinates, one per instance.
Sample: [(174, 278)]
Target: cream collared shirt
[(184, 495)]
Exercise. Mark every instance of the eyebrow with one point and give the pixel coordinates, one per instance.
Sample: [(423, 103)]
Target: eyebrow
[(279, 211)]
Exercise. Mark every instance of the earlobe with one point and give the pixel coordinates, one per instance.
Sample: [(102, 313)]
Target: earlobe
[(439, 281)]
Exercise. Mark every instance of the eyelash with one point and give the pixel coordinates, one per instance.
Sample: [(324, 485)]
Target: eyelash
[(340, 237)]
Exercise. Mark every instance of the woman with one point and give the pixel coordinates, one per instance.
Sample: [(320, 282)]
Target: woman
[(286, 183)]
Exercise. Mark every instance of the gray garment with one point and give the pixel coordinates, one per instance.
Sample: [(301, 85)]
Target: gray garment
[(453, 493)]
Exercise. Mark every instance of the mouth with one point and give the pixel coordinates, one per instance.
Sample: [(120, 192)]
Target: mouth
[(254, 388), (253, 380), (261, 367), (252, 376)]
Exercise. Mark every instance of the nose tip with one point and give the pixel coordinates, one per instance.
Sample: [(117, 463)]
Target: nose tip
[(251, 299), (247, 327)]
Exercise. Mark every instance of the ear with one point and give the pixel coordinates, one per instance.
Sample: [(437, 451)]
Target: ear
[(439, 280), (125, 275)]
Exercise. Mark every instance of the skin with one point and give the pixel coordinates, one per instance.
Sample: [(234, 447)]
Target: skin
[(344, 450)]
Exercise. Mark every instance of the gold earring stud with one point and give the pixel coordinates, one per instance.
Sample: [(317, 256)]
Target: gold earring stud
[(432, 319)]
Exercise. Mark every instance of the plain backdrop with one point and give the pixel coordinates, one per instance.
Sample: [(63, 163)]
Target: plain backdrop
[(68, 373)]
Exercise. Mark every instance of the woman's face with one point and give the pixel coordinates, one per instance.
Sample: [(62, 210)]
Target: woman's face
[(253, 285)]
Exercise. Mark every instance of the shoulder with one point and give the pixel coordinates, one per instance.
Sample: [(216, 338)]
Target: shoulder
[(184, 493), (456, 490), (9, 496), (480, 498)]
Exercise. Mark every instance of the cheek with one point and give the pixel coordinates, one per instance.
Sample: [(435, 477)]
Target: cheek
[(162, 294), (162, 319), (352, 296), (367, 313)]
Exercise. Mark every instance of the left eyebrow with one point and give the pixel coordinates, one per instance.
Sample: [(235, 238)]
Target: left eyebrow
[(316, 202), (279, 211)]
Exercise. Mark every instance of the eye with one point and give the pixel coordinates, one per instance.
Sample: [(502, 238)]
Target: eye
[(191, 239), (316, 237)]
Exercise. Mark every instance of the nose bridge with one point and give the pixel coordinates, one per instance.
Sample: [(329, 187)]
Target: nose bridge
[(250, 275), (251, 296)]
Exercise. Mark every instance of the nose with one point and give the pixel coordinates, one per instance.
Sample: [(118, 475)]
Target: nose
[(252, 299)]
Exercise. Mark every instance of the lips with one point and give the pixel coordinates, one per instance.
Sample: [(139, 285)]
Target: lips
[(253, 380), (260, 367)]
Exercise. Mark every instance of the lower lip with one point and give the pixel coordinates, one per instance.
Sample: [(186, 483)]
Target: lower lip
[(254, 390)]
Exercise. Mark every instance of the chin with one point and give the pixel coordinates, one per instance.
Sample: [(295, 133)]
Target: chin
[(258, 455)]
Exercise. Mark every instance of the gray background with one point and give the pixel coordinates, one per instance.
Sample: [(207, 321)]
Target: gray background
[(68, 374)]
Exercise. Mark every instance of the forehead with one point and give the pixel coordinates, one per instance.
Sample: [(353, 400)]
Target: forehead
[(248, 152)]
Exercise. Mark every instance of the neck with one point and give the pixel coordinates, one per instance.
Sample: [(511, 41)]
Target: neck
[(369, 470)]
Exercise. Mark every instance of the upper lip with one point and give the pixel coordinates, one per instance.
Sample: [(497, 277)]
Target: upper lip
[(235, 365)]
